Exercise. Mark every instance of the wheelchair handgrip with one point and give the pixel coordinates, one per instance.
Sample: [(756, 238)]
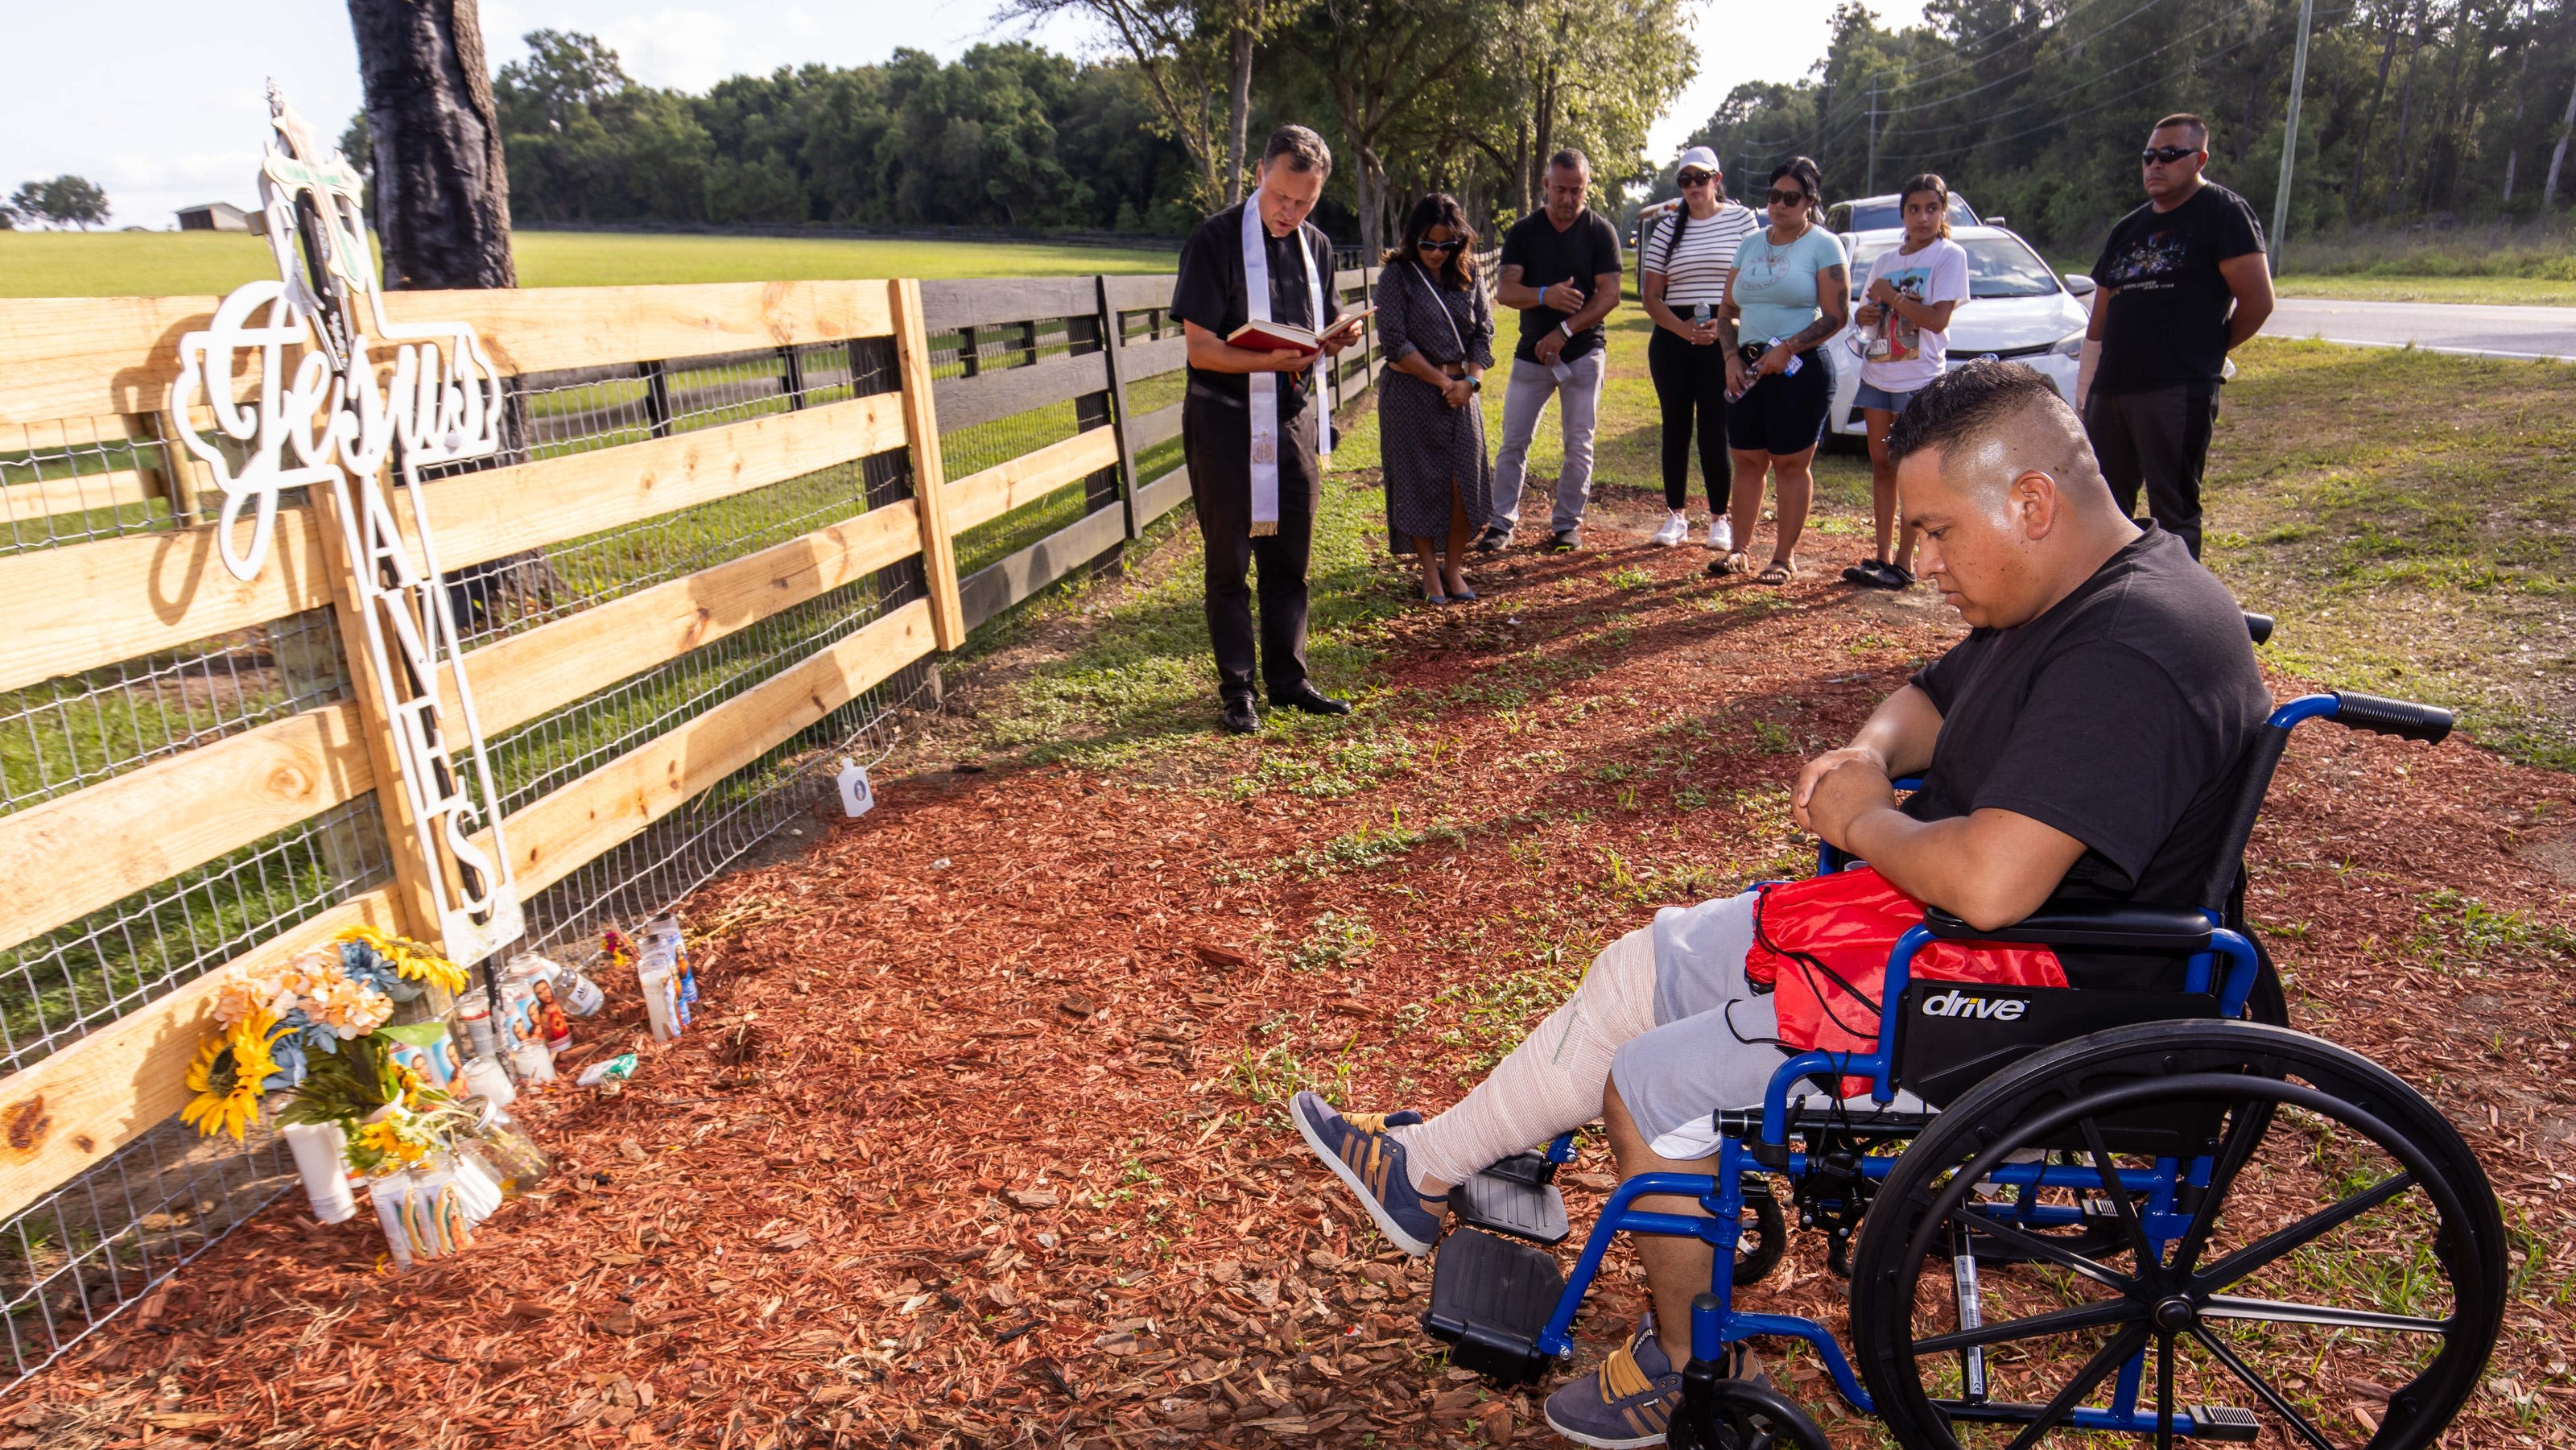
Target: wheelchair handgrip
[(2428, 723), (2259, 626)]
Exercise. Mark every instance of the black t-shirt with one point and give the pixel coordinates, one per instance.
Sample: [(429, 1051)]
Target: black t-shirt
[(1546, 257), (2168, 322), (1210, 292), (2121, 717)]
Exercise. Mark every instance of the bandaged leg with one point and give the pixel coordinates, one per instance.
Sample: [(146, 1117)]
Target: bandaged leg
[(1552, 1082)]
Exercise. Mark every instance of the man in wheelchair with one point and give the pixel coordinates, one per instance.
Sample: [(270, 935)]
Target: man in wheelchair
[(2087, 739)]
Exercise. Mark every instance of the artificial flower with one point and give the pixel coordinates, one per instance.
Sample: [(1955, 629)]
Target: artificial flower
[(409, 959), (231, 1070)]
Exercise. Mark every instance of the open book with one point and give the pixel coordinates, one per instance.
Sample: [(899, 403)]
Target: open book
[(1288, 336)]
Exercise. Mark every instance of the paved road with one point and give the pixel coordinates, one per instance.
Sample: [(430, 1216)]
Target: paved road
[(2474, 329)]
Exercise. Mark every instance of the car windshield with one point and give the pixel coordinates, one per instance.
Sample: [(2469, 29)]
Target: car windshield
[(1884, 216), (1997, 267)]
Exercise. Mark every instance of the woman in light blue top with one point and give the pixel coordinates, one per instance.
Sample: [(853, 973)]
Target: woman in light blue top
[(1789, 290)]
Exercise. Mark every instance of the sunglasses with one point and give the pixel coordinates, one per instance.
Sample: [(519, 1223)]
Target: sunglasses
[(1789, 198), (2166, 154), (1428, 245), (1696, 178)]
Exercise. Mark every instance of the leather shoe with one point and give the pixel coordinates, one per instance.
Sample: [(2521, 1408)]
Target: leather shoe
[(1309, 700), (1241, 719)]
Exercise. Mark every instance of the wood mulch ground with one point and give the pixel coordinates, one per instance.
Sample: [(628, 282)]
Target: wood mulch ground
[(979, 1144)]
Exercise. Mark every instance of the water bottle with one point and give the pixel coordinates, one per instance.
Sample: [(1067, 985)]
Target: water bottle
[(1699, 315), (657, 969)]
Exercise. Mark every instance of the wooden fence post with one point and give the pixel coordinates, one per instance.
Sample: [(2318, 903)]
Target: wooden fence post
[(1112, 337), (929, 478)]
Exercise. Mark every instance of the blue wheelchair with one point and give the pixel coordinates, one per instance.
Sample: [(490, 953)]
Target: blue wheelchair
[(2157, 1215)]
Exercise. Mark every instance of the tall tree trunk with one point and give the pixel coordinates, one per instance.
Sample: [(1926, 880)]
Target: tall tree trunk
[(442, 186), (2558, 155), (1241, 119), (2406, 93), (2361, 143)]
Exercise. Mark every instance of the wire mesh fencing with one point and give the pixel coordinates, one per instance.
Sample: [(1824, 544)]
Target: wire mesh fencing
[(98, 1243)]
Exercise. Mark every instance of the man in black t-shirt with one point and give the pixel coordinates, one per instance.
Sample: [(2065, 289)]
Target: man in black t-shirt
[(1560, 267), (2181, 281), (1249, 421), (2088, 737)]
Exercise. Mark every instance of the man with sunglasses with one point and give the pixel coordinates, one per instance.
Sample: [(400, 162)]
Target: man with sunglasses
[(2182, 281)]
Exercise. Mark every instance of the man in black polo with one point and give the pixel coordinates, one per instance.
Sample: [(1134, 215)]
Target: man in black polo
[(2182, 281), (1250, 421)]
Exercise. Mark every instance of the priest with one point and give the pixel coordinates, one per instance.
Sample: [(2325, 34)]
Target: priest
[(1254, 422)]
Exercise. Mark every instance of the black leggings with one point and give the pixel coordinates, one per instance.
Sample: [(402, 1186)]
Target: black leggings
[(1690, 381)]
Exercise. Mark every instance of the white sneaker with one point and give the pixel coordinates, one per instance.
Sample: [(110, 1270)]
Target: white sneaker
[(1675, 529), (1721, 534)]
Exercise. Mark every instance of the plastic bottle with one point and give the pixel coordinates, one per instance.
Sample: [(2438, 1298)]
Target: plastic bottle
[(494, 1136)]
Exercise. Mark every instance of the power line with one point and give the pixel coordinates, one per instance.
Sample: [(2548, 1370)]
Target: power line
[(2085, 84), (2114, 100), (2026, 71)]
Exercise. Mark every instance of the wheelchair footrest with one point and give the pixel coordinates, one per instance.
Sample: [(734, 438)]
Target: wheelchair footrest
[(1490, 1299), (2225, 1424), (1508, 1199)]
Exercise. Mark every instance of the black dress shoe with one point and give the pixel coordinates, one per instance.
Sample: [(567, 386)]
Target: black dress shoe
[(1241, 719), (1566, 539), (1307, 699)]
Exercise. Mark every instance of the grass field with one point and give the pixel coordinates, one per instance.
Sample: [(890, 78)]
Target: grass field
[(2520, 291), (165, 264)]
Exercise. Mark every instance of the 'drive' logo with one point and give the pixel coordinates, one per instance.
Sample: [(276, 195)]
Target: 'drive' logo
[(1952, 1004)]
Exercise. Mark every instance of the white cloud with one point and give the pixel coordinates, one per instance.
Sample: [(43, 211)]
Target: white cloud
[(687, 49)]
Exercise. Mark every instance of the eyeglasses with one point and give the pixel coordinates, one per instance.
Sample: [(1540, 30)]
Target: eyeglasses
[(2166, 154), (1427, 245), (1696, 178), (1789, 198)]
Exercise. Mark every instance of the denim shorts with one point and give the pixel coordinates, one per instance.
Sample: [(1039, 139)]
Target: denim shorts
[(1871, 395)]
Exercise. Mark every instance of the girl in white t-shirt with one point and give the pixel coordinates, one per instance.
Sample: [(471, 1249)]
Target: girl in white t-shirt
[(1903, 325)]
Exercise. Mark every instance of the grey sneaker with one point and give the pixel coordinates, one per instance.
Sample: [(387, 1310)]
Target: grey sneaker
[(1493, 540)]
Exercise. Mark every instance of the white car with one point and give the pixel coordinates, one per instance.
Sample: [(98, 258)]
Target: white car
[(2017, 310)]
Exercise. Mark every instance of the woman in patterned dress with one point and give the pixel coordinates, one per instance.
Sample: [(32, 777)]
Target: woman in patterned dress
[(1438, 333)]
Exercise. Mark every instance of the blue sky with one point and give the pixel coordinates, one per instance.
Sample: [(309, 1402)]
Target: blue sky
[(161, 101)]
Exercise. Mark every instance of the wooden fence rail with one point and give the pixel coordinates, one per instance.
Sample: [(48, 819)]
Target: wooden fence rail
[(979, 366)]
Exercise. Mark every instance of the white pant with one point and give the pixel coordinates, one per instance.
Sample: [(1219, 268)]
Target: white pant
[(1579, 411)]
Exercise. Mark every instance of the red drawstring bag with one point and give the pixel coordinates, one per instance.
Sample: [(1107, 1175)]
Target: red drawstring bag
[(1821, 945)]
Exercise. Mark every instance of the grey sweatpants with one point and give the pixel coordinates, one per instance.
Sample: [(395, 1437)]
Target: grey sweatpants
[(1578, 410)]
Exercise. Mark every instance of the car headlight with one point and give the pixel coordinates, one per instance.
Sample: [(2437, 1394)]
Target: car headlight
[(2071, 345)]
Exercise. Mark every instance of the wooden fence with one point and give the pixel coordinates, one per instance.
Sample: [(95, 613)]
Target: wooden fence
[(728, 514)]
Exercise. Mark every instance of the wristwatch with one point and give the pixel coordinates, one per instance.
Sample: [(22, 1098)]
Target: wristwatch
[(1475, 384)]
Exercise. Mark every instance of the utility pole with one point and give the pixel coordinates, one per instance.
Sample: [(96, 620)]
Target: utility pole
[(1872, 188), (2290, 137)]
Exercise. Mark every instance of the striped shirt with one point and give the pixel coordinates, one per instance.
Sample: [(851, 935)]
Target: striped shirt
[(1698, 274)]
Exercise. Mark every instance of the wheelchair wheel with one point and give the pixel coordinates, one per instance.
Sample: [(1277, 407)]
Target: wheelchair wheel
[(1742, 1415), (2340, 1279), (2268, 1004)]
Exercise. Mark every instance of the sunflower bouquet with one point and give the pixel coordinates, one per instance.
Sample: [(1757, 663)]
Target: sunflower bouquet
[(275, 1028)]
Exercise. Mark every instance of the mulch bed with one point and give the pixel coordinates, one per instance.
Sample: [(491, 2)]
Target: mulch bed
[(977, 1142)]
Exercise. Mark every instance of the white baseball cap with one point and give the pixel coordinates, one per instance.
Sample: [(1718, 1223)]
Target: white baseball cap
[(1701, 157)]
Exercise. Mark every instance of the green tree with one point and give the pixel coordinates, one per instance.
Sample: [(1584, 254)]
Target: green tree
[(65, 201)]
